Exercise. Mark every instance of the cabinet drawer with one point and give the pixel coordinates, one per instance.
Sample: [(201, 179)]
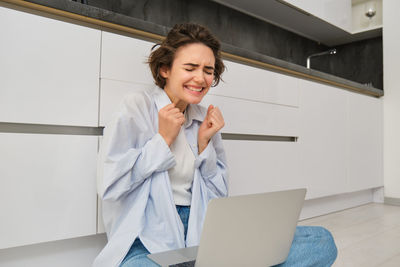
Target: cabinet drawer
[(112, 94), (251, 117), (124, 58), (49, 70), (47, 187), (251, 83)]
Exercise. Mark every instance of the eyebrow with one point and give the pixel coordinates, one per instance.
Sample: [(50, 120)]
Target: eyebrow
[(196, 65)]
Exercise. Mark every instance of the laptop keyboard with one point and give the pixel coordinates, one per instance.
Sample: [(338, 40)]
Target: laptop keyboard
[(184, 264)]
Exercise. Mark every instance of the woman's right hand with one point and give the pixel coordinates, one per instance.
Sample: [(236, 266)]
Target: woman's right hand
[(170, 120)]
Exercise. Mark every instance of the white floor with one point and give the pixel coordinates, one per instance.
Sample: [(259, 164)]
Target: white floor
[(366, 236)]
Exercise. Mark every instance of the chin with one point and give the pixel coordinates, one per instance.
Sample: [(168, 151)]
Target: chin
[(191, 99), (194, 100)]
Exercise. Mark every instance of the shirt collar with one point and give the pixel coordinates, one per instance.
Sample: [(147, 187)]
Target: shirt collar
[(193, 112), (161, 98)]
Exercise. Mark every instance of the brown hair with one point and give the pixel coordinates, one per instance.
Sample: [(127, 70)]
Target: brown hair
[(180, 35)]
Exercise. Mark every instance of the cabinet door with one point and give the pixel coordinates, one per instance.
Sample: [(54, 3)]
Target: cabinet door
[(364, 142), (124, 58), (47, 187), (322, 139), (252, 117), (112, 93), (251, 83), (49, 70), (262, 166), (336, 12)]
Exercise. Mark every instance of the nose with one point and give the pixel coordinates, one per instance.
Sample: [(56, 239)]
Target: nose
[(199, 77)]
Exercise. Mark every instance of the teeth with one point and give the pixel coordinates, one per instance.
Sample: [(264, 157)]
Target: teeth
[(194, 89)]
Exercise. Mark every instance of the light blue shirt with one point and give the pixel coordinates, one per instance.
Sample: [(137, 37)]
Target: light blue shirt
[(136, 190)]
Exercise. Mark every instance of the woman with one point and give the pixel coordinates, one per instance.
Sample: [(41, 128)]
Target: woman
[(163, 160), (163, 156)]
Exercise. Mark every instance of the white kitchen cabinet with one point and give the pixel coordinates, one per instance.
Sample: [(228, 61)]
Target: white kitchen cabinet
[(262, 166), (49, 70), (100, 224), (336, 12), (124, 58), (251, 117), (47, 187), (112, 94), (340, 140), (362, 23), (241, 115), (251, 83), (339, 146), (322, 139), (364, 146)]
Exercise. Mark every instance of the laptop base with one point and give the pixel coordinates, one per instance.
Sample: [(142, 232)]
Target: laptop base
[(175, 257)]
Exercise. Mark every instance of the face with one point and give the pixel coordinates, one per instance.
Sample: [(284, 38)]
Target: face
[(191, 74)]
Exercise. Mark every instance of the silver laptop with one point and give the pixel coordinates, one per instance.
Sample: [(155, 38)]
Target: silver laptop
[(249, 230)]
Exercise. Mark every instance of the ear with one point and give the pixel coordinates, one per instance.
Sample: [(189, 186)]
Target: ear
[(164, 71)]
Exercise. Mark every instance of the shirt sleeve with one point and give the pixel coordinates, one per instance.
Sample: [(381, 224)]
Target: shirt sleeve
[(131, 152), (213, 169)]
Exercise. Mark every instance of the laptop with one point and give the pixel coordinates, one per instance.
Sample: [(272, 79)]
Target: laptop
[(248, 230)]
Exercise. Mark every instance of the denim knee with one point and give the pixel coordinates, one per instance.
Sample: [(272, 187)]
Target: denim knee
[(327, 244)]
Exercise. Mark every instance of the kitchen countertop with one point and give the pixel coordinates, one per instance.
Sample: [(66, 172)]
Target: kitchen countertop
[(144, 29)]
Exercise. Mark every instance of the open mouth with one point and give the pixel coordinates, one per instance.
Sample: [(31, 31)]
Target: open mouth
[(194, 88)]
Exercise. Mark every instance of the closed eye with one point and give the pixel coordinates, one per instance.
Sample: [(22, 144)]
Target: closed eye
[(207, 72), (191, 67)]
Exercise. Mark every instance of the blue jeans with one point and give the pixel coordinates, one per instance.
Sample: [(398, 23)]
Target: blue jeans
[(136, 256), (312, 246)]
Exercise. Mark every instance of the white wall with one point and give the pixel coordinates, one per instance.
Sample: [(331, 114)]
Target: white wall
[(391, 66)]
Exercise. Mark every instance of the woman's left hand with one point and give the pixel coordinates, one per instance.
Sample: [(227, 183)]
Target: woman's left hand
[(213, 122)]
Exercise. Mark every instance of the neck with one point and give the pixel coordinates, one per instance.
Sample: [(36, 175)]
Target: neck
[(180, 104)]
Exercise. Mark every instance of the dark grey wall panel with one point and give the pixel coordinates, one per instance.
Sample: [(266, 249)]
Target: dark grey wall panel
[(360, 62), (230, 26)]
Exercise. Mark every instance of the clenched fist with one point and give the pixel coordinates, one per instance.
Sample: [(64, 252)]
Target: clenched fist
[(213, 122), (170, 120)]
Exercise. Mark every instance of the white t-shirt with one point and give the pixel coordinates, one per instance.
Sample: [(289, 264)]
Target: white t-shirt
[(181, 175)]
